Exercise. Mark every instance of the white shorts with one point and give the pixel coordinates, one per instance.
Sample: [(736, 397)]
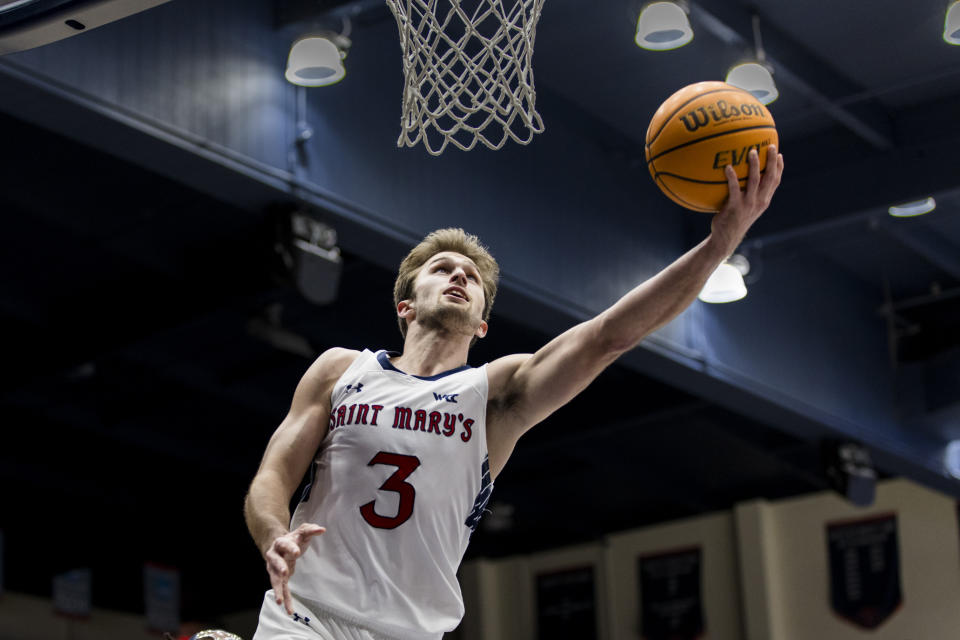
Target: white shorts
[(276, 624)]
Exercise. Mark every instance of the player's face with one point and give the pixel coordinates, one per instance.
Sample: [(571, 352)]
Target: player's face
[(448, 294)]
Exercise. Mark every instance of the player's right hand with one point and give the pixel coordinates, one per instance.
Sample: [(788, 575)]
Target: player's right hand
[(744, 206), (281, 556)]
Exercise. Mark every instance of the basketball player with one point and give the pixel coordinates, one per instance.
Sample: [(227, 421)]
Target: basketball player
[(403, 448)]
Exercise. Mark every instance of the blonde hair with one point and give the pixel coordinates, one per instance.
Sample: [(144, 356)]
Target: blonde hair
[(456, 240)]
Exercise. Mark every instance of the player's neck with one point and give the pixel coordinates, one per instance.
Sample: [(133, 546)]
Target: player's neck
[(427, 353)]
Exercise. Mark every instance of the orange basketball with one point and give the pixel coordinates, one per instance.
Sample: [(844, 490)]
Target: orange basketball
[(697, 132)]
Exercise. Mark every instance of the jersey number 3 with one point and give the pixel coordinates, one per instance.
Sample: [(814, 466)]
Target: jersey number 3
[(405, 466)]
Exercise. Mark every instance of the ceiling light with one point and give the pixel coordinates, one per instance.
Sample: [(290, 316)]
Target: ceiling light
[(951, 458), (910, 209), (663, 26), (725, 284), (756, 79), (317, 60), (756, 76), (951, 25)]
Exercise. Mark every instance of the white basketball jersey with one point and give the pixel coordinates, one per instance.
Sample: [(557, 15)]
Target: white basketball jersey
[(400, 482)]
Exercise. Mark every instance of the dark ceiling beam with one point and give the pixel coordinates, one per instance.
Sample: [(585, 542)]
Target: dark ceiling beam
[(145, 142), (785, 456), (648, 466), (164, 366), (24, 476), (621, 428), (798, 67), (50, 349), (143, 438), (935, 248), (306, 13), (932, 247), (942, 393), (19, 310), (196, 162), (198, 379), (826, 179)]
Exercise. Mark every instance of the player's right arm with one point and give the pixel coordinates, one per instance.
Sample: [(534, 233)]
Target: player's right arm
[(288, 456)]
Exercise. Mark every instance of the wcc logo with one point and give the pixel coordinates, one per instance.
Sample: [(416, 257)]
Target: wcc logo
[(449, 397)]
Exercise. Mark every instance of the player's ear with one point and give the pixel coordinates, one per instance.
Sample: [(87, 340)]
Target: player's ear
[(405, 309), (481, 330)]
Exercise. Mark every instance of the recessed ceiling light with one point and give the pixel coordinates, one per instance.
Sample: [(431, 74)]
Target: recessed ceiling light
[(910, 209), (663, 26), (951, 24), (951, 458), (754, 78), (724, 285), (317, 60)]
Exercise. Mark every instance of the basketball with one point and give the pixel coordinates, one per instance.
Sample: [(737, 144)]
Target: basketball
[(699, 130)]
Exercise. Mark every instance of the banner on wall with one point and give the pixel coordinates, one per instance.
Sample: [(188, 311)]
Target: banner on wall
[(73, 593), (671, 607), (566, 604), (161, 592), (864, 569)]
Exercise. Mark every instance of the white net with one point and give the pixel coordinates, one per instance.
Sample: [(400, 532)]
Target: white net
[(468, 73)]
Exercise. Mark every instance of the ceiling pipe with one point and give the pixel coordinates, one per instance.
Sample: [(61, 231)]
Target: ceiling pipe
[(721, 29)]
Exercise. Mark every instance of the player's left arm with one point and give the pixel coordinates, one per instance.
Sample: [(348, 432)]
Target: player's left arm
[(526, 388)]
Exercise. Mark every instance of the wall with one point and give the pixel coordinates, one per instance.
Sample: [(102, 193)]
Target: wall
[(24, 617), (764, 572), (797, 572), (31, 618), (719, 576)]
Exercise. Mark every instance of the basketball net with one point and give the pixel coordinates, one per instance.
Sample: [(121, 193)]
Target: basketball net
[(468, 76)]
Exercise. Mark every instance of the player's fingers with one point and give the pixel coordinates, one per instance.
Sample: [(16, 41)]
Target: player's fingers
[(282, 563), (771, 176), (277, 585), (287, 600), (753, 178), (279, 577), (277, 565), (733, 186), (277, 581), (772, 156), (771, 179), (288, 549), (304, 532), (735, 195)]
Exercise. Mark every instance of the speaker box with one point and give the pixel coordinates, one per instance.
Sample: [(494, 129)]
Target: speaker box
[(849, 470), (316, 272)]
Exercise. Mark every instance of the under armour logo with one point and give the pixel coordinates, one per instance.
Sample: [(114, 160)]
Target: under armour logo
[(449, 397), (357, 387), (302, 619)]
